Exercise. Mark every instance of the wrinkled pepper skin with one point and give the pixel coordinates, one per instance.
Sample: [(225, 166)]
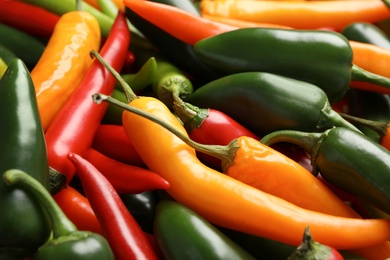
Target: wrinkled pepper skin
[(320, 57), (367, 33), (24, 225), (183, 234), (265, 102)]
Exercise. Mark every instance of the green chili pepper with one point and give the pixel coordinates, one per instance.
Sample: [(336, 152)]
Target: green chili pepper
[(183, 234), (6, 54), (323, 58), (25, 225), (24, 46), (346, 159), (67, 242), (265, 102), (367, 33)]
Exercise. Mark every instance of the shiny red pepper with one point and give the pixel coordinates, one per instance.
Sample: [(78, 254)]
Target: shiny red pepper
[(74, 127), (121, 230), (27, 17), (124, 177)]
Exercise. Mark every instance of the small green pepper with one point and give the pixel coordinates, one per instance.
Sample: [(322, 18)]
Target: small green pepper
[(183, 234), (347, 159), (25, 225), (323, 58), (265, 102), (367, 33), (67, 241)]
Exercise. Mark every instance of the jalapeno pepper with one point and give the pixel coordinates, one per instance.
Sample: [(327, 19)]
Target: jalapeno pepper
[(347, 159), (323, 58), (368, 33), (25, 225), (265, 102)]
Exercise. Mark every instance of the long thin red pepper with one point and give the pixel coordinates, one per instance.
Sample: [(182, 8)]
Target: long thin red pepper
[(111, 140), (74, 127), (29, 18), (124, 177), (121, 230)]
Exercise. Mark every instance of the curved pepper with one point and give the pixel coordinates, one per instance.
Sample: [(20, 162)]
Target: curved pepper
[(64, 62), (265, 102), (367, 33), (25, 225), (178, 228), (67, 239), (323, 58), (338, 154)]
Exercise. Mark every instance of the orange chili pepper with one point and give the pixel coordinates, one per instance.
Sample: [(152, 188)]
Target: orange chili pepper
[(229, 203), (299, 15), (64, 62)]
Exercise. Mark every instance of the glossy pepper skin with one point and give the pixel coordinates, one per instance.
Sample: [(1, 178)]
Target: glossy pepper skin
[(367, 33), (347, 159), (323, 58), (178, 228), (265, 102), (25, 225)]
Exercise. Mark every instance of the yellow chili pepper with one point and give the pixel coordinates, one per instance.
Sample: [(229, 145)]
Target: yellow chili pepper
[(64, 62)]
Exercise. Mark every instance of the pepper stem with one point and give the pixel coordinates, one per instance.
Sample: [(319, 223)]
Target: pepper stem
[(61, 225), (220, 151), (130, 95), (360, 74), (378, 127)]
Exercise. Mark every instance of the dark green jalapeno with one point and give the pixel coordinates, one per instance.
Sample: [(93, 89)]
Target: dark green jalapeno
[(323, 58), (346, 159), (265, 102), (367, 33)]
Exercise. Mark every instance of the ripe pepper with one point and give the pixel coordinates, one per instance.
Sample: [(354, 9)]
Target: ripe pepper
[(301, 14), (73, 127), (209, 189), (280, 51), (367, 33), (64, 62), (337, 154), (29, 18), (178, 228), (122, 232), (66, 240), (25, 46), (265, 102), (25, 225)]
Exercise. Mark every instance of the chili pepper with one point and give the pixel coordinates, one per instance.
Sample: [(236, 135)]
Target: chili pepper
[(125, 178), (64, 62), (277, 49), (23, 45), (337, 155), (178, 52), (289, 103), (142, 207), (209, 189), (299, 15), (123, 233), (65, 6), (113, 114), (29, 18), (367, 33), (186, 5), (6, 54), (310, 249), (3, 67), (74, 126), (178, 228), (25, 224), (111, 140), (67, 239), (78, 209)]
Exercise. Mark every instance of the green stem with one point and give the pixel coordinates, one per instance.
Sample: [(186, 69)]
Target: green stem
[(359, 74), (143, 77), (130, 95), (387, 3), (378, 127), (61, 225), (224, 153)]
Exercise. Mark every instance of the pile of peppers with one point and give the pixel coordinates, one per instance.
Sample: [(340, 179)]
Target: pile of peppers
[(183, 129)]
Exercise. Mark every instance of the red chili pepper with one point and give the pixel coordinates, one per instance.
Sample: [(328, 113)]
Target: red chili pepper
[(124, 177), (29, 18), (74, 127), (121, 230), (111, 140), (78, 209)]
